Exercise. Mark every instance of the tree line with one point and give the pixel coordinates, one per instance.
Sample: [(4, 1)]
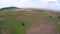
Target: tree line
[(4, 8)]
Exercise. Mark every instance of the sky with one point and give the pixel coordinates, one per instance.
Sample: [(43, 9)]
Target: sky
[(46, 4)]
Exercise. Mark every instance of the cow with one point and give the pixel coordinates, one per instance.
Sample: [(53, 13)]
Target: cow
[(50, 16), (22, 24), (58, 16)]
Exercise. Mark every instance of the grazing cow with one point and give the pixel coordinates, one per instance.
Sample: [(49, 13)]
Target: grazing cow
[(22, 24), (50, 16), (58, 16)]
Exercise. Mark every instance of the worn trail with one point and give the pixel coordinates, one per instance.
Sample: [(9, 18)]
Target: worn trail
[(41, 27)]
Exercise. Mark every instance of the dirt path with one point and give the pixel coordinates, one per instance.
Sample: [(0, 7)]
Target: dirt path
[(40, 27)]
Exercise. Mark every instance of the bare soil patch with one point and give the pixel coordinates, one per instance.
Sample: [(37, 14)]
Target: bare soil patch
[(40, 27), (5, 31), (2, 17)]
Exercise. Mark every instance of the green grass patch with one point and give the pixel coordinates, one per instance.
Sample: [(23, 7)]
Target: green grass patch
[(14, 24), (56, 21), (33, 19)]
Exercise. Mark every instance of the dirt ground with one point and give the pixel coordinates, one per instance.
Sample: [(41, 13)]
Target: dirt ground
[(40, 27)]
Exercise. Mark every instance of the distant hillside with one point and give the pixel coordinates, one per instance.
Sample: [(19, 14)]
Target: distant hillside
[(5, 8)]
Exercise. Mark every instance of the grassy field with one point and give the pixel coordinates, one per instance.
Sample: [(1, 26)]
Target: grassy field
[(11, 23), (55, 21)]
